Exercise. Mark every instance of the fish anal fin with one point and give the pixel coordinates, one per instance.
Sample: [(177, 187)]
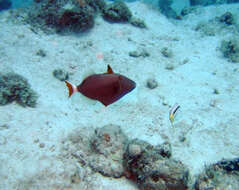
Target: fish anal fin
[(105, 104)]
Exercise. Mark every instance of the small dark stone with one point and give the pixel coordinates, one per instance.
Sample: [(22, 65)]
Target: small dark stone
[(144, 53), (4, 126), (60, 74), (169, 66), (182, 138), (140, 53), (42, 145), (137, 22), (152, 83), (41, 53), (215, 91), (167, 52), (134, 54)]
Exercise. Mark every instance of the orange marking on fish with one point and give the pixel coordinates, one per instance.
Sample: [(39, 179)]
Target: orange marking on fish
[(109, 70), (72, 88)]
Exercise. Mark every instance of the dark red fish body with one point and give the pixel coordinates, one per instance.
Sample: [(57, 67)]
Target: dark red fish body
[(106, 88)]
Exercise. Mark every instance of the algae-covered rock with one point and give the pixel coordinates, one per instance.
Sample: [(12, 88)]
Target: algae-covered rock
[(102, 150), (64, 15), (229, 165), (137, 22), (14, 87), (152, 168), (208, 29), (77, 20), (96, 4), (117, 12), (108, 151), (223, 175), (60, 74), (108, 145), (230, 49), (227, 18)]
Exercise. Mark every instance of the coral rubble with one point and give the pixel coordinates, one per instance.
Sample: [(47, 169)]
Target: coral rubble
[(117, 12), (152, 168), (63, 16), (102, 151), (60, 74), (230, 49), (221, 175), (14, 87)]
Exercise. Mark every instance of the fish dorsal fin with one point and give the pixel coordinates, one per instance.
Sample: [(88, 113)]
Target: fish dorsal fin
[(109, 70)]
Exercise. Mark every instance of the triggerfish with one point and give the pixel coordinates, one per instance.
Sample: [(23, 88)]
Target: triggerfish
[(106, 87)]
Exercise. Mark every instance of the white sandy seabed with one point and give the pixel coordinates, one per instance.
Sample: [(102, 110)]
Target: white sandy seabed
[(30, 138)]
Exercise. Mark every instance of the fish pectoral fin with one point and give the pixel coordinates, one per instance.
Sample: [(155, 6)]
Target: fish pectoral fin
[(109, 70), (117, 87), (119, 83)]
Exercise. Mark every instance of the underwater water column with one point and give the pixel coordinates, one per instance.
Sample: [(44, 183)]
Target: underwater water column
[(20, 3)]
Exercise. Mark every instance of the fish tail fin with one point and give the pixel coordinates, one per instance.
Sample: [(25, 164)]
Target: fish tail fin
[(71, 88)]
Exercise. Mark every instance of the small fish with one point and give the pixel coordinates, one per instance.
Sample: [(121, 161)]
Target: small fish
[(172, 113), (106, 87)]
